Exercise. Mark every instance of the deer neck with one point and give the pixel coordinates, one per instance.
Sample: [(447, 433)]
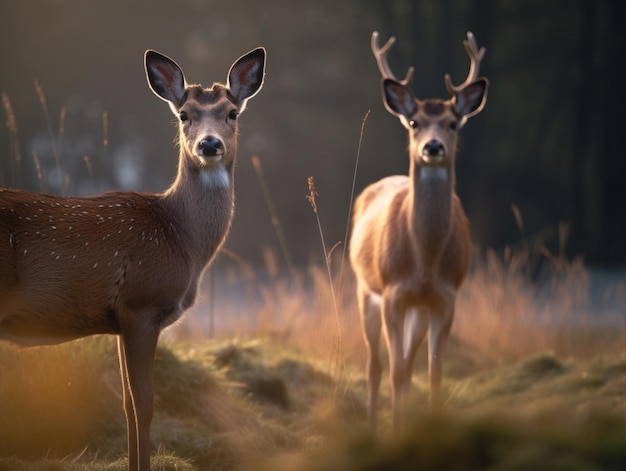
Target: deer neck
[(430, 213), (201, 200)]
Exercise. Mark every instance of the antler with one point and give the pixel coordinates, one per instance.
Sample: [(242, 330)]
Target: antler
[(476, 56), (380, 53)]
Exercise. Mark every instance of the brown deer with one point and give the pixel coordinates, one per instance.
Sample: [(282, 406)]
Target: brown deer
[(410, 243), (128, 263)]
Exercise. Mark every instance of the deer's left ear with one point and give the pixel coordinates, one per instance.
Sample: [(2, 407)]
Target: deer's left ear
[(246, 75), (471, 100)]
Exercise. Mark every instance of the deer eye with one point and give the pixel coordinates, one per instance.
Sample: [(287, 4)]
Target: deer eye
[(183, 116), (232, 115), (453, 126), (413, 124)]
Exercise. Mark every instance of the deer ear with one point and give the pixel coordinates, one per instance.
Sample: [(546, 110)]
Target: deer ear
[(165, 78), (399, 99), (246, 75), (471, 100)]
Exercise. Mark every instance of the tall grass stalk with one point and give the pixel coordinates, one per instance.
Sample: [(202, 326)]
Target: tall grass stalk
[(269, 202), (328, 254), (105, 129), (89, 168), (39, 172), (349, 217), (56, 144), (339, 359), (14, 148), (105, 164)]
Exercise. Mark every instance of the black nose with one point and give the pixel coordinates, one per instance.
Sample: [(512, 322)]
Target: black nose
[(210, 146), (433, 148)]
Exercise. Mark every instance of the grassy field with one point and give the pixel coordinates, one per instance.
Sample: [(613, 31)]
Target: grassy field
[(535, 377)]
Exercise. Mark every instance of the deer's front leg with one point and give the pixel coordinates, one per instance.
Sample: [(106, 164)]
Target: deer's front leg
[(139, 339), (371, 325), (129, 409), (393, 321), (440, 324), (416, 322)]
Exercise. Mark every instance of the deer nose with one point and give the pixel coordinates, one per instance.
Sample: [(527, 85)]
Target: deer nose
[(210, 146), (433, 151)]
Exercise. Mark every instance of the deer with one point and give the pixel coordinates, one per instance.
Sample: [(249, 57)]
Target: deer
[(410, 241), (129, 263)]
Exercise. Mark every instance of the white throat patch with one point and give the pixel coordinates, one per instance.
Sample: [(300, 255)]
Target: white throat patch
[(215, 177), (433, 173)]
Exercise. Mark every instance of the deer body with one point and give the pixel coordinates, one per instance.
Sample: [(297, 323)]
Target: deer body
[(421, 250), (410, 244), (103, 231), (128, 263)]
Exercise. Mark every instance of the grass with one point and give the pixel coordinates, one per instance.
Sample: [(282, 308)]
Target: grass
[(522, 391), (255, 405)]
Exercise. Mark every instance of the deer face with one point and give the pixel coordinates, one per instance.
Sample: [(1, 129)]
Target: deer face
[(208, 116), (433, 131), (208, 124), (433, 124)]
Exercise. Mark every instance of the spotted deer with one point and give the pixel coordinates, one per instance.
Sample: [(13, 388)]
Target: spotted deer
[(410, 243), (128, 263)]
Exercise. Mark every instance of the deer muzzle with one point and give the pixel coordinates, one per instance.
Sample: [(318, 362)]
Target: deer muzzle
[(433, 152), (210, 147)]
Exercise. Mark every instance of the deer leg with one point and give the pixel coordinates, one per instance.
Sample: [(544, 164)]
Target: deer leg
[(371, 325), (440, 324), (129, 409), (139, 347), (393, 318), (415, 327)]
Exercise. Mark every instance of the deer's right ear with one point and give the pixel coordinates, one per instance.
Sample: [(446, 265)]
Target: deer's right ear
[(398, 99), (165, 78)]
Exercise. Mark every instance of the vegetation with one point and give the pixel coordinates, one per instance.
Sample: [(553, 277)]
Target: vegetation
[(527, 386)]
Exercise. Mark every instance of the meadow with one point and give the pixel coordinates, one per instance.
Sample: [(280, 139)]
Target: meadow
[(535, 377)]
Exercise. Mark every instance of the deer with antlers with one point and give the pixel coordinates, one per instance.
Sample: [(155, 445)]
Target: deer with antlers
[(128, 263), (410, 243)]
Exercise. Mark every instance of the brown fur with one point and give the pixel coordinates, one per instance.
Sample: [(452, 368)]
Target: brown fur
[(410, 244), (128, 263)]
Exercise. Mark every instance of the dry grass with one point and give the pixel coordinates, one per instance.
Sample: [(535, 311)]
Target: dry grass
[(505, 312), (265, 394), (255, 405), (506, 315)]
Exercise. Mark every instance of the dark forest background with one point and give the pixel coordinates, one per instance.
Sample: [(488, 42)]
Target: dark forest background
[(548, 143)]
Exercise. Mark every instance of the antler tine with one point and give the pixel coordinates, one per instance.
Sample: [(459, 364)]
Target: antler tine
[(476, 56), (380, 53)]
